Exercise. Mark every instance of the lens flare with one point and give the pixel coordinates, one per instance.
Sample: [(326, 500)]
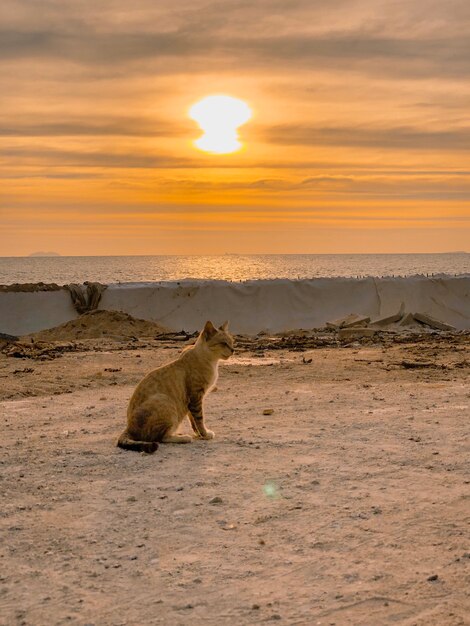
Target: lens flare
[(220, 117)]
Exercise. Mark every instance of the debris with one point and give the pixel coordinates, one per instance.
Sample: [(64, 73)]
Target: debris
[(416, 364), (432, 322), (8, 338), (408, 320), (350, 320), (349, 333), (38, 350), (391, 319), (86, 299)]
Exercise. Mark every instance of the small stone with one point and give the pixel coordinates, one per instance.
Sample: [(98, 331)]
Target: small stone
[(268, 411), (131, 499), (433, 577), (216, 500), (255, 607)]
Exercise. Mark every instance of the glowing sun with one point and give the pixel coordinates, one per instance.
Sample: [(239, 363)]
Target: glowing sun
[(220, 117)]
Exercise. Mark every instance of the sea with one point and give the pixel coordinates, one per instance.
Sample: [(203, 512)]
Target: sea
[(231, 267)]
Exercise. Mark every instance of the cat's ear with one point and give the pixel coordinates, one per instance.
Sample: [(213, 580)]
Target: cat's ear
[(224, 326), (209, 330)]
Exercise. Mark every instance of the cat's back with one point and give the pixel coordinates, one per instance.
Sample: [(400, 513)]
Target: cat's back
[(169, 378)]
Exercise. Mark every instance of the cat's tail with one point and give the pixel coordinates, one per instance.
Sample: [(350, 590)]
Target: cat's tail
[(127, 443)]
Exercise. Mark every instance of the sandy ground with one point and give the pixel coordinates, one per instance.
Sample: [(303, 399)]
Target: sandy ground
[(349, 504)]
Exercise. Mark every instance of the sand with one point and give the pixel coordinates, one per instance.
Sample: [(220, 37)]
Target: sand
[(97, 324), (346, 504)]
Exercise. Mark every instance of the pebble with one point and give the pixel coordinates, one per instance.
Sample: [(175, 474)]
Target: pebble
[(216, 500), (268, 411), (433, 577), (131, 499)]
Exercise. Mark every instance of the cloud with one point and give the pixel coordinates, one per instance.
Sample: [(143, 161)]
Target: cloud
[(445, 57), (374, 38), (69, 158), (391, 138), (91, 125)]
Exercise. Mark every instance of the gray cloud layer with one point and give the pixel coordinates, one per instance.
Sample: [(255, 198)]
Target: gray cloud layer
[(374, 37), (423, 57)]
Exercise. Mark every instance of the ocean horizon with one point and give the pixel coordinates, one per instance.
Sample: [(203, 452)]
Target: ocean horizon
[(231, 267)]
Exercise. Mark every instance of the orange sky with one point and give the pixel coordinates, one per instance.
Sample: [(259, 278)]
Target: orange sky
[(360, 139)]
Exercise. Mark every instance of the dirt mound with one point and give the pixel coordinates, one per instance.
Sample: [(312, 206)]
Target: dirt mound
[(100, 324), (30, 287)]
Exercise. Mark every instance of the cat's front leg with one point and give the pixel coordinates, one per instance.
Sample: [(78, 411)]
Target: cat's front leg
[(197, 419)]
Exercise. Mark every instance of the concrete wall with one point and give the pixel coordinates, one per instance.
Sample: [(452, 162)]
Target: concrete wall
[(273, 305), (22, 313)]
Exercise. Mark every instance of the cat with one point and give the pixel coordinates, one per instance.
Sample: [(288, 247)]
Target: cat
[(173, 391)]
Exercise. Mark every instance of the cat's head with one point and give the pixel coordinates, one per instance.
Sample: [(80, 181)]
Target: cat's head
[(218, 340)]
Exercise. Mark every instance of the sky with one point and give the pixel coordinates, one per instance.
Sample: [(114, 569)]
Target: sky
[(359, 140)]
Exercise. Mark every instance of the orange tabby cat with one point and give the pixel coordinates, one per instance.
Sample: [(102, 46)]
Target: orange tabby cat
[(167, 395)]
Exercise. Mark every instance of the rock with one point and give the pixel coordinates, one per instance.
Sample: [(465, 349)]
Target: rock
[(8, 338), (268, 411), (216, 500), (433, 577), (416, 364), (391, 319), (408, 320), (432, 322), (350, 320), (348, 333)]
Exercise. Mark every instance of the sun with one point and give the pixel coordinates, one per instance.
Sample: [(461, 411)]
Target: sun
[(220, 117)]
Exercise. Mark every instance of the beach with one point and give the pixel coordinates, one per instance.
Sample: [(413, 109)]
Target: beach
[(335, 491)]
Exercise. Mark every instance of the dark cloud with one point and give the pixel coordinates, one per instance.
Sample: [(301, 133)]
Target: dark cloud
[(68, 158), (92, 125), (396, 138), (444, 56), (99, 48)]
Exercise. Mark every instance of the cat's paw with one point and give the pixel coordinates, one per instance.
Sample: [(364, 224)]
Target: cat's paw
[(207, 435)]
